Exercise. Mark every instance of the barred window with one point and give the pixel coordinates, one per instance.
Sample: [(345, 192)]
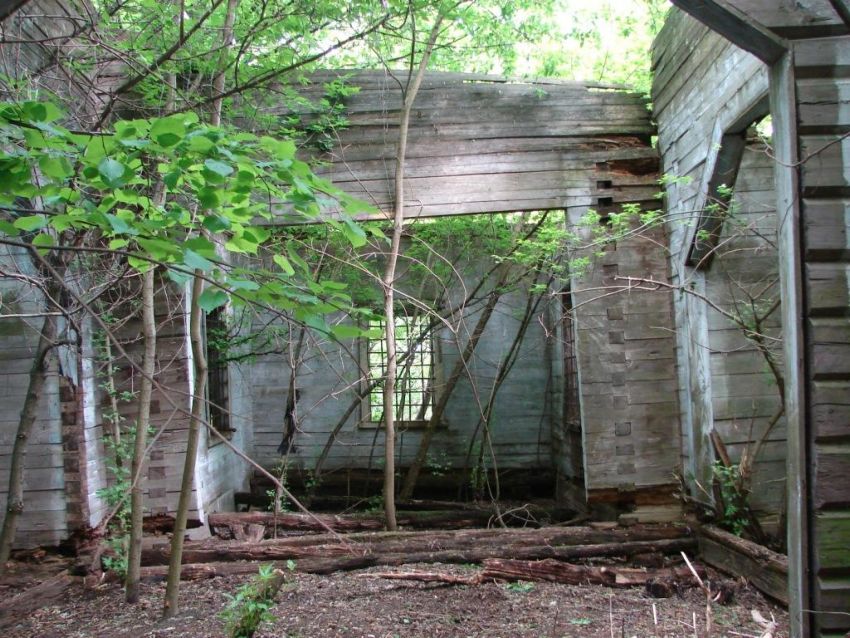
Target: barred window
[(218, 390), (414, 371)]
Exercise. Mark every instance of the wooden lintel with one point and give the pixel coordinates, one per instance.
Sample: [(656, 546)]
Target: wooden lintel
[(736, 27)]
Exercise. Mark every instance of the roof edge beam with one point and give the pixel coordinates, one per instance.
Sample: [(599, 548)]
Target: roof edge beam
[(737, 27)]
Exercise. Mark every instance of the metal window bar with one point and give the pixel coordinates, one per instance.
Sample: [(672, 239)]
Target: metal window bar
[(412, 401)]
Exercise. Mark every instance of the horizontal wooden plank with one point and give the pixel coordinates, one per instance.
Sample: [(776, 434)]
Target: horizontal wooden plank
[(824, 169), (833, 595), (827, 289), (830, 348), (826, 233), (831, 410), (822, 103), (832, 469), (816, 53), (832, 538)]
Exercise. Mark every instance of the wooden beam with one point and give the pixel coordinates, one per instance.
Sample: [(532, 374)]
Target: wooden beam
[(842, 8), (11, 7), (783, 108), (736, 27)]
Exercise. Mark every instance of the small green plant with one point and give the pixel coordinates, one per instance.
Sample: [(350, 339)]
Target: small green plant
[(520, 587), (249, 607), (732, 497), (582, 622), (438, 465), (375, 503)]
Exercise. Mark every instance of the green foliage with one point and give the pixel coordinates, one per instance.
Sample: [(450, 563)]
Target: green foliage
[(250, 606), (118, 463), (732, 498), (219, 187)]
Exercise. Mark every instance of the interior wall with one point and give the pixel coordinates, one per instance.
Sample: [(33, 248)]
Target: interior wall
[(328, 380)]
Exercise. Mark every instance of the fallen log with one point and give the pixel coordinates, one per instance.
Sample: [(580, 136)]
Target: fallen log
[(566, 573), (324, 554), (227, 525), (200, 571), (325, 559)]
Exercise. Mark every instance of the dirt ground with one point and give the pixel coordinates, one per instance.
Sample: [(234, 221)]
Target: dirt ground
[(355, 605)]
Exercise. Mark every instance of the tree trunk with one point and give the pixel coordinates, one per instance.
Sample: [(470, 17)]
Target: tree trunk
[(29, 414), (199, 355), (142, 421), (389, 276)]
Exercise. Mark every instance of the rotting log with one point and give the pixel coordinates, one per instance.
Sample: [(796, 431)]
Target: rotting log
[(323, 552), (560, 572), (201, 571), (766, 570)]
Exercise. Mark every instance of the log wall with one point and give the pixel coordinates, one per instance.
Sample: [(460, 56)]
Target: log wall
[(823, 119)]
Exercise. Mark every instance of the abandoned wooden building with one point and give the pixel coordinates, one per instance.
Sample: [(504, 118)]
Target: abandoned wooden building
[(615, 384)]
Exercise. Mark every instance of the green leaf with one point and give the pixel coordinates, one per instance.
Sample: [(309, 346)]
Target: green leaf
[(202, 246), (119, 225), (243, 284), (8, 228), (211, 299), (168, 131), (200, 144), (178, 277), (343, 331), (118, 244), (158, 249), (219, 168), (43, 240), (30, 222), (112, 172), (209, 197), (195, 261), (353, 233), (58, 168), (284, 264), (216, 223)]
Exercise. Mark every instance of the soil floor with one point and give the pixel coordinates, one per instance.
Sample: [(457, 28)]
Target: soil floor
[(353, 604)]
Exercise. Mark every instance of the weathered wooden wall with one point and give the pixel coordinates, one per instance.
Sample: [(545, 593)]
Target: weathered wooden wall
[(808, 99), (821, 69), (703, 86), (219, 474), (327, 384), (627, 373), (480, 144), (44, 519)]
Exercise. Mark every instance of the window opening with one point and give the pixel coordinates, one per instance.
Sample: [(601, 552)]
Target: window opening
[(218, 387), (719, 189), (415, 372)]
